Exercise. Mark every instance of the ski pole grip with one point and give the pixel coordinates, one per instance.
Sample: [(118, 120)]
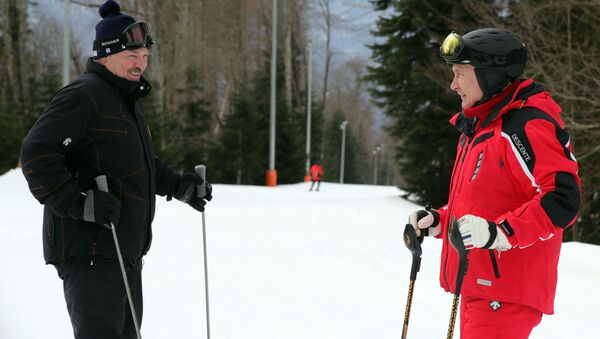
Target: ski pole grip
[(412, 241), (101, 182), (201, 171)]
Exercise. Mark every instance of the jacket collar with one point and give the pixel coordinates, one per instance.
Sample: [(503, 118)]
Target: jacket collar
[(515, 95), (132, 90)]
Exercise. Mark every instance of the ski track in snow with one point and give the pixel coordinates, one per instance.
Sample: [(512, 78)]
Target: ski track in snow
[(284, 263)]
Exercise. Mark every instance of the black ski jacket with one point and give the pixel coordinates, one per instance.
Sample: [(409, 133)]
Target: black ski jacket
[(93, 126)]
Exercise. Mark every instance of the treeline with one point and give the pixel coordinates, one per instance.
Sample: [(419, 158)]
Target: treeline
[(412, 83), (210, 71)]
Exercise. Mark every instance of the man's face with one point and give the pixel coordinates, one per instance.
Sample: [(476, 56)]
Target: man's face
[(128, 64), (465, 84)]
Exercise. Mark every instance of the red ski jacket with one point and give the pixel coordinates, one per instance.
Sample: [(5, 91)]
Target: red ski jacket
[(514, 167), (316, 172)]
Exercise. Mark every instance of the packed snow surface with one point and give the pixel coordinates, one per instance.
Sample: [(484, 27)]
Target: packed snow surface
[(282, 263)]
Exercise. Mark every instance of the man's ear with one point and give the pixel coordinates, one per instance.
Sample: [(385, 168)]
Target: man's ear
[(103, 60)]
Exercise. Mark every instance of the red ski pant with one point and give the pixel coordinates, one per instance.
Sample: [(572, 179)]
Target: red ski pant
[(478, 319)]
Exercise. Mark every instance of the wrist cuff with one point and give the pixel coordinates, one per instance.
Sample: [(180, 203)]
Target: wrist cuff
[(493, 234), (507, 228)]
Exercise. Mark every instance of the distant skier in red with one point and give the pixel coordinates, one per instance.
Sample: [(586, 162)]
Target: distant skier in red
[(316, 172)]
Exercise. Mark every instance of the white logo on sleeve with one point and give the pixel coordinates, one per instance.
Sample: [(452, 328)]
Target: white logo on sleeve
[(495, 305), (67, 141)]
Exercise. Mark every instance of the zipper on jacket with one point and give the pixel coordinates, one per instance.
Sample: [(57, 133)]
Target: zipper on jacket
[(464, 152), (458, 171), (494, 264), (147, 148)]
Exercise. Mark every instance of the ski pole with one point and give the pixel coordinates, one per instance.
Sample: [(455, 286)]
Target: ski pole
[(103, 186), (413, 243), (457, 242), (201, 189)]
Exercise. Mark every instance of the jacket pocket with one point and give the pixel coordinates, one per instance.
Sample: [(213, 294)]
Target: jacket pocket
[(53, 238), (50, 229)]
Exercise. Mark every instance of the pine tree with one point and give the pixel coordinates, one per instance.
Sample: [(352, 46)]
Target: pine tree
[(239, 155), (10, 137), (25, 87), (333, 146), (358, 161), (317, 120), (182, 137), (416, 102), (289, 128)]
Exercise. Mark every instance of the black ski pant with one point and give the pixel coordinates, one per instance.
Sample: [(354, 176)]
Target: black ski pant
[(97, 300), (313, 183)]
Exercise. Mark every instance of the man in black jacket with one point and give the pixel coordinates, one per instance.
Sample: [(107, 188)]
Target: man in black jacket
[(95, 126)]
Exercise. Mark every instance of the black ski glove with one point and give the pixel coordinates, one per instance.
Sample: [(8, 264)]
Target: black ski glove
[(187, 191), (98, 207), (197, 202)]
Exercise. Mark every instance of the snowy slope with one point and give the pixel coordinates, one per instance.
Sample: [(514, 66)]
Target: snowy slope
[(283, 263)]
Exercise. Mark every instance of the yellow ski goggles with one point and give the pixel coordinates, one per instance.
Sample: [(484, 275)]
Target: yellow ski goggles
[(452, 48)]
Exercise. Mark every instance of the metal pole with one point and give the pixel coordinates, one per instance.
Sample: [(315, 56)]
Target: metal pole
[(201, 192), (273, 89), (308, 108), (413, 243), (375, 161), (375, 165), (411, 288), (206, 277), (388, 171), (66, 37), (457, 243), (343, 155), (103, 186), (127, 288)]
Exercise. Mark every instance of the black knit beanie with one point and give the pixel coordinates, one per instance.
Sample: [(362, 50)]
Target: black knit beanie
[(109, 29)]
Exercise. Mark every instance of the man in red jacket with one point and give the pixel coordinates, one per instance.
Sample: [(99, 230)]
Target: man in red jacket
[(316, 172), (514, 188)]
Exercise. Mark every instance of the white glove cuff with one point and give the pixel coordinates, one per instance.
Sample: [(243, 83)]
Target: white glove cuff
[(501, 242)]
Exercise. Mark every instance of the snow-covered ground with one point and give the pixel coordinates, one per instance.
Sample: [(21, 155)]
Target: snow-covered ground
[(283, 263)]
